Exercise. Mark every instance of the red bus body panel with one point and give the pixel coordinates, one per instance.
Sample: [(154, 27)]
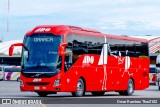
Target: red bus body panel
[(114, 78)]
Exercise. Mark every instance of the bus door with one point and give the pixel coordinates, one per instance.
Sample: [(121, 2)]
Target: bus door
[(113, 70), (70, 68), (68, 59)]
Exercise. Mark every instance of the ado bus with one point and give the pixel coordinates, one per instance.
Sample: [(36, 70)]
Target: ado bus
[(65, 58)]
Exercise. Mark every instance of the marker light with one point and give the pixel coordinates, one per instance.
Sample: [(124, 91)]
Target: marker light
[(57, 82)]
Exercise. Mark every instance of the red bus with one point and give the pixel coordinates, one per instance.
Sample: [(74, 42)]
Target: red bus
[(65, 58)]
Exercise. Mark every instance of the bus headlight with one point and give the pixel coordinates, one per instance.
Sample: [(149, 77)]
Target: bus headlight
[(57, 82)]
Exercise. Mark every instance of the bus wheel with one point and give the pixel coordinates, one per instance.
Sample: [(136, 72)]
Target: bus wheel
[(42, 94), (98, 93), (80, 89), (130, 89), (121, 93)]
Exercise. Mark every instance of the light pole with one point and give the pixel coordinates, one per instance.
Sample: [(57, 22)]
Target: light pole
[(8, 16)]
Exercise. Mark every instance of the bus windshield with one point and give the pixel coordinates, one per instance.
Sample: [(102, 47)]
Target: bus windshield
[(42, 54)]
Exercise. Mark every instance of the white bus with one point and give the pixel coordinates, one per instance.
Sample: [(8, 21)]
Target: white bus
[(12, 73), (1, 73)]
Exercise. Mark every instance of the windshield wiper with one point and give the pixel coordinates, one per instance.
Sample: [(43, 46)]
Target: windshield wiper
[(39, 67), (48, 67), (33, 67)]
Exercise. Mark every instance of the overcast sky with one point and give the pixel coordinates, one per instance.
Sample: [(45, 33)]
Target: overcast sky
[(120, 17)]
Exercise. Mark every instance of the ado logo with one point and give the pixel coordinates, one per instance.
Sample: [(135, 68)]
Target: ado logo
[(43, 30), (88, 60)]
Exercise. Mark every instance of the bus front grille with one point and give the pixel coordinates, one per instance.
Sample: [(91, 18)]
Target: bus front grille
[(37, 83)]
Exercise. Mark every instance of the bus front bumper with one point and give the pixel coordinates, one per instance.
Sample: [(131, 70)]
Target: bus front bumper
[(40, 86)]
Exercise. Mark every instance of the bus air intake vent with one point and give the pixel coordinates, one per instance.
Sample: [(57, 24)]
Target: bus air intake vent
[(37, 83)]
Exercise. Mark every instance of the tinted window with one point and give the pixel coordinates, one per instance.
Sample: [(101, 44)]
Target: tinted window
[(113, 49), (152, 70), (131, 50), (12, 69), (122, 50), (142, 49), (81, 44)]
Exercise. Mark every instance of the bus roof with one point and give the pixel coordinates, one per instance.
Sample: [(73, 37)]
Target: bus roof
[(126, 38), (61, 30), (66, 29)]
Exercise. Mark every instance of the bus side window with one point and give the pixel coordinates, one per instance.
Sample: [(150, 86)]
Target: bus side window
[(68, 58), (59, 65), (142, 50), (127, 53), (131, 50), (99, 48), (92, 49), (113, 50), (79, 48), (121, 50), (138, 54)]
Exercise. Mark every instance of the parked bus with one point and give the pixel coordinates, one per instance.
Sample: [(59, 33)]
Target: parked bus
[(12, 73), (158, 71), (65, 58), (152, 74), (1, 73)]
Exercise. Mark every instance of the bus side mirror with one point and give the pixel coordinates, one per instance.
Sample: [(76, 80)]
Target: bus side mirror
[(11, 48), (61, 49)]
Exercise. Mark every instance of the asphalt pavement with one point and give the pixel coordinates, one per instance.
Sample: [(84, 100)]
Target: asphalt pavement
[(10, 90)]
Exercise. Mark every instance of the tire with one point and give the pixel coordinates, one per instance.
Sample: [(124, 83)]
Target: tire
[(98, 93), (121, 93), (130, 88), (80, 91), (18, 79), (158, 85), (42, 94)]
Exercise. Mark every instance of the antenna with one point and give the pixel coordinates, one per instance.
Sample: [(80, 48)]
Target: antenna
[(8, 16), (2, 38)]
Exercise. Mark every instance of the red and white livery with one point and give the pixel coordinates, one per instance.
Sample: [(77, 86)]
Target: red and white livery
[(65, 58)]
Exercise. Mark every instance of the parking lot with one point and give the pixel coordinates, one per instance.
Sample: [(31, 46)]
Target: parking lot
[(11, 89)]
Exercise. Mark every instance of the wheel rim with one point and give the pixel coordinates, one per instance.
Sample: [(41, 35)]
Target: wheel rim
[(130, 87), (80, 88)]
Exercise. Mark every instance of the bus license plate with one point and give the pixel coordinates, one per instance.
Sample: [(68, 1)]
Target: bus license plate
[(36, 88)]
